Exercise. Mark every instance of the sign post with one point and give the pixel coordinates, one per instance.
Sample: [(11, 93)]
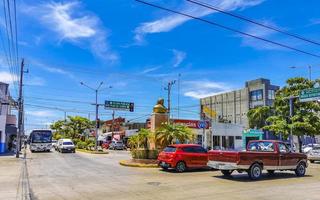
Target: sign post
[(312, 94), (119, 105)]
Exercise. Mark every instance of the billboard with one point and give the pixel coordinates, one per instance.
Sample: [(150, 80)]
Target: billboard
[(196, 124)]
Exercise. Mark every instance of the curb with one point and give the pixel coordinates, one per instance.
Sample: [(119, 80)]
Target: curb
[(140, 165), (92, 152)]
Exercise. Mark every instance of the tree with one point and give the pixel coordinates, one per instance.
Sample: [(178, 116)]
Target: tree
[(258, 116), (77, 125), (73, 127), (168, 134), (305, 119)]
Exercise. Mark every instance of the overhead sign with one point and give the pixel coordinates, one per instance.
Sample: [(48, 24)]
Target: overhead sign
[(312, 94), (119, 105), (197, 124)]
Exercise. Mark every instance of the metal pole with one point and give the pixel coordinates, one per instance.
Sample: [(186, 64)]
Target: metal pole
[(169, 93), (112, 125), (97, 108), (20, 114), (309, 72), (179, 96), (291, 114)]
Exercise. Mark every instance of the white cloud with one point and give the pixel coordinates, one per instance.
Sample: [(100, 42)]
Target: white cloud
[(73, 24), (35, 80), (171, 21), (261, 32), (41, 113), (204, 88), (179, 57), (150, 69), (8, 77)]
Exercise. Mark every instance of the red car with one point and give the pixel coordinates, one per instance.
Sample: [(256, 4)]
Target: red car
[(260, 155), (183, 156)]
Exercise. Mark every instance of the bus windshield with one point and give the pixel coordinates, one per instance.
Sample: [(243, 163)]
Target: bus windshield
[(41, 137)]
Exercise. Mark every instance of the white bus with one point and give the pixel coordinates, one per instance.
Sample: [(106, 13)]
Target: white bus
[(40, 140)]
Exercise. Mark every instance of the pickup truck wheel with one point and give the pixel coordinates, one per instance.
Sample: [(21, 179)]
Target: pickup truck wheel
[(312, 161), (181, 167), (226, 172), (255, 171), (271, 172), (301, 169)]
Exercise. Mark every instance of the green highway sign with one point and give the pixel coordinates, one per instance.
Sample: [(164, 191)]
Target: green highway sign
[(119, 105), (312, 94)]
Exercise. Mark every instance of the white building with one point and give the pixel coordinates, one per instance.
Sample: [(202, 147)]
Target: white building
[(7, 121)]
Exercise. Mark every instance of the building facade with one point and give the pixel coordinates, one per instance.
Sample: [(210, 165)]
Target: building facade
[(231, 110), (8, 128)]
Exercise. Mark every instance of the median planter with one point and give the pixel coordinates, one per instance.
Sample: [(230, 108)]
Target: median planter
[(143, 163), (144, 154), (92, 152)]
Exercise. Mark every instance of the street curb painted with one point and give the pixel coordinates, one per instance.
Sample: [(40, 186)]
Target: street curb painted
[(141, 165), (91, 152)]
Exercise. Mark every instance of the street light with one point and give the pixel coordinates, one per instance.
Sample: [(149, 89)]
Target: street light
[(97, 107), (309, 70)]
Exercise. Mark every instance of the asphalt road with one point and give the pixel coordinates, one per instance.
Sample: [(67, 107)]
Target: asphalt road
[(86, 176)]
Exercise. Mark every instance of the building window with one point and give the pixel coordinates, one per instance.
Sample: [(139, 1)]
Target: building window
[(256, 95), (271, 94), (216, 142), (238, 138), (231, 142)]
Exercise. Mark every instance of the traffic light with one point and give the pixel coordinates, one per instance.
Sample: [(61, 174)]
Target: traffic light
[(131, 107)]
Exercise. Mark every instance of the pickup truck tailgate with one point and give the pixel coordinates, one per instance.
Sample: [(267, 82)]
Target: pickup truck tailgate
[(224, 156)]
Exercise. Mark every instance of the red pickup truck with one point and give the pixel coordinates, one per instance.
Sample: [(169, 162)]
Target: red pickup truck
[(260, 155)]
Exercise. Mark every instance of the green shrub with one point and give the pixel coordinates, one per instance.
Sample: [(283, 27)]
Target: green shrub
[(81, 145), (144, 154)]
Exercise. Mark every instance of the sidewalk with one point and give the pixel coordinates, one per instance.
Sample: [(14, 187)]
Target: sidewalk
[(10, 170)]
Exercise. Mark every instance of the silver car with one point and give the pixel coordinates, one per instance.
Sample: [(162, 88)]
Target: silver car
[(314, 154), (117, 145)]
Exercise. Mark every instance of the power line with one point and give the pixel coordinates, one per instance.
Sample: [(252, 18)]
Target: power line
[(229, 28), (209, 6)]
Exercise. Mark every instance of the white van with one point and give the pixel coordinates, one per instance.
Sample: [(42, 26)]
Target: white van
[(66, 145)]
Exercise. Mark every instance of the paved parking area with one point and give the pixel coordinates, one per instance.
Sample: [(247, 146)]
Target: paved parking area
[(88, 176)]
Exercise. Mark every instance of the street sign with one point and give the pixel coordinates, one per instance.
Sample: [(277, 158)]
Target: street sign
[(119, 105), (312, 94)]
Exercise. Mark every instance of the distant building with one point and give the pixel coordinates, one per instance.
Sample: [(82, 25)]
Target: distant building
[(231, 110), (8, 129)]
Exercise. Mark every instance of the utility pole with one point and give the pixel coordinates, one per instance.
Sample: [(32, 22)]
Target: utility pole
[(20, 108), (97, 109), (291, 114), (179, 76), (112, 125), (168, 88)]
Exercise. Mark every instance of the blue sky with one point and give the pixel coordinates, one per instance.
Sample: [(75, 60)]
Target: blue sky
[(137, 49)]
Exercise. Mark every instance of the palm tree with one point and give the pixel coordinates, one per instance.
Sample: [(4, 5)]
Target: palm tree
[(168, 134)]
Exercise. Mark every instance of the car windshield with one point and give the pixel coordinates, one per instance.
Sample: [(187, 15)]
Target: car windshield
[(67, 143), (170, 149)]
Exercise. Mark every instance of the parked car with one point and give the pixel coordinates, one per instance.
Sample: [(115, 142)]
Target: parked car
[(260, 155), (66, 145), (117, 145), (183, 156), (308, 147), (314, 154)]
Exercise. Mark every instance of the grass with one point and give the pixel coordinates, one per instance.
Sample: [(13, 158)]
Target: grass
[(92, 152)]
